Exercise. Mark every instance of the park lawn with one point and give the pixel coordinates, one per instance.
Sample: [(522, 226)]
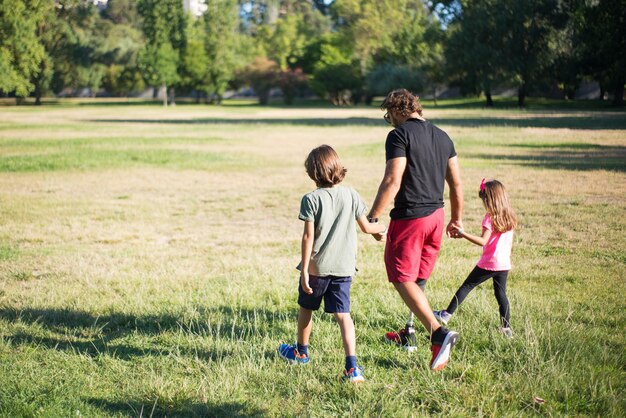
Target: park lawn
[(147, 265)]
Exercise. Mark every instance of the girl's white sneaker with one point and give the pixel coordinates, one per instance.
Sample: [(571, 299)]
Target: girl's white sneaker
[(508, 333)]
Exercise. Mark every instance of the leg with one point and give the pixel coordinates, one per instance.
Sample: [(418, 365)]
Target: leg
[(476, 277), (347, 332), (305, 324), (499, 289), (421, 283), (416, 300)]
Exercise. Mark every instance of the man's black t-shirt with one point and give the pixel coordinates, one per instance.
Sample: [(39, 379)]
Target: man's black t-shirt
[(427, 150)]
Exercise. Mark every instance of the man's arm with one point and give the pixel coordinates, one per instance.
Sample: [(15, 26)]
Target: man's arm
[(389, 186), (453, 178)]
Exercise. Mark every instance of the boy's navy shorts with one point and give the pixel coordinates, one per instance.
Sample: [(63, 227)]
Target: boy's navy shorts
[(334, 290)]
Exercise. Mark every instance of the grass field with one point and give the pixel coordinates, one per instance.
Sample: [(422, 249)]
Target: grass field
[(147, 263)]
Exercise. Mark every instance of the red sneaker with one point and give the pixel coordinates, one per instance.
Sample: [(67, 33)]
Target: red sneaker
[(441, 352), (399, 338)]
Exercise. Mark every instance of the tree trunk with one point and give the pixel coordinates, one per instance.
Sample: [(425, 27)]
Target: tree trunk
[(435, 95), (155, 92), (164, 94), (521, 95), (171, 96), (38, 93), (618, 96), (489, 98)]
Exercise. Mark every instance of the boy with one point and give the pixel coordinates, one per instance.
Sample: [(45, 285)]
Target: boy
[(328, 255)]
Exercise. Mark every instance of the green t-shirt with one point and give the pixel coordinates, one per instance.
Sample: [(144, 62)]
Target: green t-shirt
[(334, 211)]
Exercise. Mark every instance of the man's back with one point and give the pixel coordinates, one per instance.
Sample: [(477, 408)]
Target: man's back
[(427, 150)]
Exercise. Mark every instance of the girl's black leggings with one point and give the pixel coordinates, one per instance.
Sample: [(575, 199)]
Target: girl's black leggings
[(476, 277)]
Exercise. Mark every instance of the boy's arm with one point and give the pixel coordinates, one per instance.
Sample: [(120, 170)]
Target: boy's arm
[(307, 249), (482, 240), (370, 228)]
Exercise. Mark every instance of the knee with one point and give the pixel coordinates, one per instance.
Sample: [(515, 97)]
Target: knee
[(342, 317)]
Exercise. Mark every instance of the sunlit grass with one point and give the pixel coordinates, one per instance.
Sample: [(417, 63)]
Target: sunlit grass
[(147, 265)]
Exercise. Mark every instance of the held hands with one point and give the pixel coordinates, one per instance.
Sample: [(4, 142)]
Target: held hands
[(455, 229), (304, 281), (380, 235)]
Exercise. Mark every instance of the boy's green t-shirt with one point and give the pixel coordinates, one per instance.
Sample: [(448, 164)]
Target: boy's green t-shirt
[(334, 211)]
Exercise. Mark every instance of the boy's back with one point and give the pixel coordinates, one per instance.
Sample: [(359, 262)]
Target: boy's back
[(333, 210)]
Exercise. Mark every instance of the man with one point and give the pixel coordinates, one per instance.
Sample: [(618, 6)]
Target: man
[(420, 157)]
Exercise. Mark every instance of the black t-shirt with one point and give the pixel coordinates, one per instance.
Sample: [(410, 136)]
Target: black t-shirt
[(427, 150)]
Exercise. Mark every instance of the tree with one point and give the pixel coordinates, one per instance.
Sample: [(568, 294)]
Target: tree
[(600, 31), (475, 48), (21, 54), (262, 75), (224, 46), (529, 28), (337, 76), (164, 27)]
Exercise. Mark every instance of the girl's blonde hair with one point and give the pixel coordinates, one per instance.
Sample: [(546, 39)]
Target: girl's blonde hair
[(497, 203)]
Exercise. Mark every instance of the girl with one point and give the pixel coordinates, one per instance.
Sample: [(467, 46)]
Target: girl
[(496, 240)]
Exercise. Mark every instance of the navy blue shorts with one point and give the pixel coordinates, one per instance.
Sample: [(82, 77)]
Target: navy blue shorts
[(334, 290)]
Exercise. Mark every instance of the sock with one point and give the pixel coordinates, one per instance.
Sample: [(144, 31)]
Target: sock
[(350, 362), (303, 349), (439, 335)]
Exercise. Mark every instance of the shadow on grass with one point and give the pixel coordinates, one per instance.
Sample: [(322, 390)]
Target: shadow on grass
[(597, 122), (584, 158), (94, 335), (351, 121), (185, 408)]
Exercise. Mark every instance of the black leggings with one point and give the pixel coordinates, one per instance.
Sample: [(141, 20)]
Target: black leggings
[(476, 277)]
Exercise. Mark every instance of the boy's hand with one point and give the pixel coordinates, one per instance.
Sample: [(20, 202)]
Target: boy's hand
[(304, 281), (380, 235)]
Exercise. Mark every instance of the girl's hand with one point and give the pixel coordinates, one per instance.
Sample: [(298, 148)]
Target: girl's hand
[(453, 229), (304, 281), (458, 231)]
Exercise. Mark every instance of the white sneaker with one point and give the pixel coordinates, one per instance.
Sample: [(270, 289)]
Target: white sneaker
[(442, 316), (507, 331)]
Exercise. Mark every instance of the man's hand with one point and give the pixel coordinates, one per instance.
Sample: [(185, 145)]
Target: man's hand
[(304, 281), (453, 229)]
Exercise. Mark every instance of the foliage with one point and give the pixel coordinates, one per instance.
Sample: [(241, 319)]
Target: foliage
[(262, 75), (164, 27), (291, 83), (21, 54), (386, 77)]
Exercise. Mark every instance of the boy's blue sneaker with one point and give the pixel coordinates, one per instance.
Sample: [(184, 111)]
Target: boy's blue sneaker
[(290, 353), (354, 375)]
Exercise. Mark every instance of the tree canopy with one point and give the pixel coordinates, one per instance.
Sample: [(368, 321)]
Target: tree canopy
[(342, 50)]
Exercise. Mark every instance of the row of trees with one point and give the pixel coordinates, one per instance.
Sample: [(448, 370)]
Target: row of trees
[(344, 50)]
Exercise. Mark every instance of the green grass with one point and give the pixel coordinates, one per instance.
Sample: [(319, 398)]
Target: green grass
[(147, 264)]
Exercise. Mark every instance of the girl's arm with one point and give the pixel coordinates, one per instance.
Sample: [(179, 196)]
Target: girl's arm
[(307, 249), (370, 228), (482, 240)]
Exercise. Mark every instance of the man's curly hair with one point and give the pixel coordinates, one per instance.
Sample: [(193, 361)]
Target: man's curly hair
[(402, 102)]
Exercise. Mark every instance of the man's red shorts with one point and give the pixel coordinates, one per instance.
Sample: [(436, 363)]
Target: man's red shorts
[(412, 247)]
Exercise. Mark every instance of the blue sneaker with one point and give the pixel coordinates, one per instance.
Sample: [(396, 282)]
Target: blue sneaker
[(354, 375), (290, 353)]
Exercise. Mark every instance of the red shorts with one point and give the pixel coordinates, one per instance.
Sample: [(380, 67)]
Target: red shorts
[(412, 247)]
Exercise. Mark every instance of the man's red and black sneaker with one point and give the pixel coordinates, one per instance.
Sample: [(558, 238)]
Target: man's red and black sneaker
[(441, 348)]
